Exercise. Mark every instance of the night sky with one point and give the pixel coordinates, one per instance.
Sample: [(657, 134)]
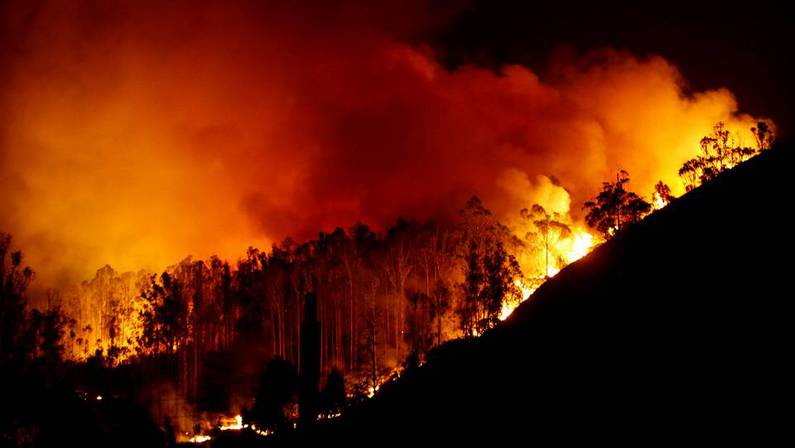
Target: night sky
[(746, 48)]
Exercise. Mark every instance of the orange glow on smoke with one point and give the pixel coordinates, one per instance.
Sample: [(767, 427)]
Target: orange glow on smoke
[(179, 129)]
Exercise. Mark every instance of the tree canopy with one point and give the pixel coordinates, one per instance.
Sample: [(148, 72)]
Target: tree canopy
[(615, 207)]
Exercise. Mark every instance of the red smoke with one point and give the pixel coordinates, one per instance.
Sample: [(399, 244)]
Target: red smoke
[(135, 133)]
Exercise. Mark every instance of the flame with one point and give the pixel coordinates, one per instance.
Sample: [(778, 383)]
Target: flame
[(200, 438), (658, 202), (261, 432), (372, 390), (582, 243), (237, 425), (509, 305), (234, 424), (573, 248), (329, 416)]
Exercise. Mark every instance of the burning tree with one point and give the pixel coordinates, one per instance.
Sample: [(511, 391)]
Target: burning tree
[(489, 269), (549, 229), (662, 195), (720, 152), (615, 207)]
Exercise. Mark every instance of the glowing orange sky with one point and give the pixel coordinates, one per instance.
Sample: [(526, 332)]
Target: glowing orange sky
[(136, 134)]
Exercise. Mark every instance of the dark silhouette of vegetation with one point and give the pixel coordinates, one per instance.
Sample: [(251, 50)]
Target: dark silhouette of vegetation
[(278, 387), (27, 336), (614, 345), (615, 208), (15, 279), (489, 269), (721, 151), (333, 396), (550, 228), (662, 195), (419, 333), (385, 298), (40, 404)]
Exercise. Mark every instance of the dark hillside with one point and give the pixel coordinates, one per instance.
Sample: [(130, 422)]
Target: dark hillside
[(679, 329)]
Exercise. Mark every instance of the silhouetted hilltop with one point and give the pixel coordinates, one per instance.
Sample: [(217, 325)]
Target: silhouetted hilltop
[(678, 329)]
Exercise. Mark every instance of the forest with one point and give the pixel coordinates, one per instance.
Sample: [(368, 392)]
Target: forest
[(206, 340)]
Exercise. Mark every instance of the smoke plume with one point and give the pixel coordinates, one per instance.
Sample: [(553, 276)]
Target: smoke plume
[(135, 133)]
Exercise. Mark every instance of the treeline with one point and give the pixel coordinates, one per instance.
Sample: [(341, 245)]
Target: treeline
[(384, 296), (615, 207), (29, 338), (722, 151)]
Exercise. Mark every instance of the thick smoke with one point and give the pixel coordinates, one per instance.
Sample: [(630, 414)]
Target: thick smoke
[(135, 133)]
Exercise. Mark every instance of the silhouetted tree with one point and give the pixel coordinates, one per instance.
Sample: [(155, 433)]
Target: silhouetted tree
[(14, 280), (333, 396), (164, 318), (614, 207), (549, 228), (53, 323), (419, 332), (501, 269), (278, 387), (472, 286), (441, 303), (662, 195), (489, 270), (765, 137), (170, 433), (720, 152)]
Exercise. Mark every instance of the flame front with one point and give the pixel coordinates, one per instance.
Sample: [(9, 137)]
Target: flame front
[(578, 245)]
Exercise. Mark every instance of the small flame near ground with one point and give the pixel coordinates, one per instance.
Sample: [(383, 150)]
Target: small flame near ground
[(231, 424)]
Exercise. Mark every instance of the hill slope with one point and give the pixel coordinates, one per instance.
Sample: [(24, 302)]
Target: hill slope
[(679, 329)]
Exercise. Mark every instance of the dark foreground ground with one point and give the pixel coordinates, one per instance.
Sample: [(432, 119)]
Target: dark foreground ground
[(678, 330)]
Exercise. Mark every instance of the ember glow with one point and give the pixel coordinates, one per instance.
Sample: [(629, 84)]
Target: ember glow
[(234, 424), (201, 438)]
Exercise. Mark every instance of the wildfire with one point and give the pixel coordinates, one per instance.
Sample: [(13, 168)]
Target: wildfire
[(232, 424), (509, 305), (329, 416), (372, 390), (577, 246), (393, 375), (582, 243), (236, 425), (200, 438), (658, 202)]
